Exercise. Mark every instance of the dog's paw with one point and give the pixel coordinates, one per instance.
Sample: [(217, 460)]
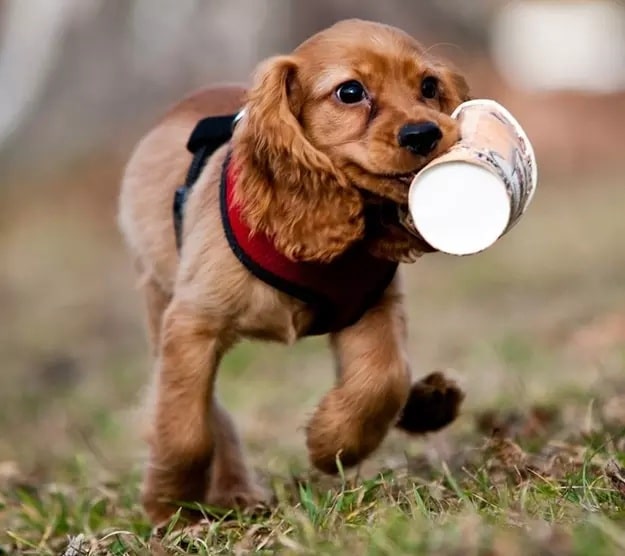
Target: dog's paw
[(166, 493), (434, 403), (326, 458), (336, 431), (244, 497), (160, 513)]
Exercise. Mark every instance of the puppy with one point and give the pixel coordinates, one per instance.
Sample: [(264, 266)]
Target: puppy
[(290, 229)]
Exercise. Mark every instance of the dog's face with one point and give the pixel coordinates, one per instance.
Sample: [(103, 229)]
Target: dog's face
[(369, 97), (352, 114)]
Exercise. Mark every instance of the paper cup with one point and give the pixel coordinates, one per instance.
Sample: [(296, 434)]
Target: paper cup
[(465, 200)]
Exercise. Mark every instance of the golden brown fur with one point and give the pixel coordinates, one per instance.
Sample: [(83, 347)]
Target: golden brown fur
[(314, 175)]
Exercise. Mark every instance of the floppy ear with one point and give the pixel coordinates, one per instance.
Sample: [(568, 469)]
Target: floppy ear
[(461, 86), (456, 87), (287, 188)]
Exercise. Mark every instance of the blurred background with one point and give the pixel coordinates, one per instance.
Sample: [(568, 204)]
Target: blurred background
[(539, 314)]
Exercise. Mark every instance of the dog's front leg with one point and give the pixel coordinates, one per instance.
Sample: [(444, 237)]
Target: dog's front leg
[(372, 388), (181, 437)]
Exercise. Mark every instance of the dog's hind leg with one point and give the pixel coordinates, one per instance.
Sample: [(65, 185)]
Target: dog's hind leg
[(156, 300), (182, 435), (231, 484)]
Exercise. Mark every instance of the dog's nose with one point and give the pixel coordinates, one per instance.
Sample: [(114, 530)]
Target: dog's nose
[(420, 138)]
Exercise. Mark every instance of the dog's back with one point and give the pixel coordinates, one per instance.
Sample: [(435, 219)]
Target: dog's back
[(156, 168)]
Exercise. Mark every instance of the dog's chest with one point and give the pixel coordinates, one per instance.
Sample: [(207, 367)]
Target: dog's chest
[(271, 315)]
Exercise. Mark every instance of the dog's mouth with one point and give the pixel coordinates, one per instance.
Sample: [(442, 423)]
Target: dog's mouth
[(390, 212), (405, 178), (392, 187)]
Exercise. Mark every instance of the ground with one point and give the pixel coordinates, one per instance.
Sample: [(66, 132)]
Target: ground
[(534, 328)]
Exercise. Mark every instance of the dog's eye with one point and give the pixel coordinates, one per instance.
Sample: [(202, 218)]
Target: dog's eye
[(429, 87), (351, 92)]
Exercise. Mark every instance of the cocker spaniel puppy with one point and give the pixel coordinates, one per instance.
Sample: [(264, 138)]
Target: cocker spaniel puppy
[(280, 223)]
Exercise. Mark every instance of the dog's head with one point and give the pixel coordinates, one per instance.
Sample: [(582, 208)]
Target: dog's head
[(349, 117)]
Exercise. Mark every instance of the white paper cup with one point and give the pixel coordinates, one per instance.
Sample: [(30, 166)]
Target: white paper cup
[(465, 200)]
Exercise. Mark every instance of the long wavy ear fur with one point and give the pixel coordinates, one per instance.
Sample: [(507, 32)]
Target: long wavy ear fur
[(287, 188), (457, 89)]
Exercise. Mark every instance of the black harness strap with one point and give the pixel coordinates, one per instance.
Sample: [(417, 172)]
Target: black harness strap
[(209, 134)]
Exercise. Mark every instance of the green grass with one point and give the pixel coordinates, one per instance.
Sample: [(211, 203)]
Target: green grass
[(501, 498), (534, 465)]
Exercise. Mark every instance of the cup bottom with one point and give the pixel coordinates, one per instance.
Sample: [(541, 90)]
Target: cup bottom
[(459, 208)]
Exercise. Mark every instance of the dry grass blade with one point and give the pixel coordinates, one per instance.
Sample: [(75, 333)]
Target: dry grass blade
[(616, 475)]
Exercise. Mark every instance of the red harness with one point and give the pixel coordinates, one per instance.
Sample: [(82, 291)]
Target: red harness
[(339, 292)]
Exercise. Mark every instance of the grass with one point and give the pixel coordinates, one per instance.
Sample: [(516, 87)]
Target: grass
[(496, 500), (535, 327)]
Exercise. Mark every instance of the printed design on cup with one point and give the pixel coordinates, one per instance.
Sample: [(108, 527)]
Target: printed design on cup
[(510, 157), (514, 173)]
